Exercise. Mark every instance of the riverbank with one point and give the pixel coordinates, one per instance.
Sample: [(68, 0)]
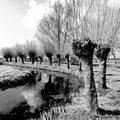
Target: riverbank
[(107, 99), (11, 77), (74, 70)]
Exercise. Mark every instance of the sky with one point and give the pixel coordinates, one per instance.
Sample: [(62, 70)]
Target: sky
[(18, 20)]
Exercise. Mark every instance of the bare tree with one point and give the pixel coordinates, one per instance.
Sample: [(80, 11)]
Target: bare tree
[(21, 52), (32, 50), (15, 52), (53, 26), (103, 28), (83, 47), (48, 47)]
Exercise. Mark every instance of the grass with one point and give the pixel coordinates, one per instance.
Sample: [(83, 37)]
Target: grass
[(108, 100), (12, 77)]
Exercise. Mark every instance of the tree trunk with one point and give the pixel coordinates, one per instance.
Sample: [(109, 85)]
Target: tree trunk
[(108, 59), (102, 72), (10, 59), (15, 59), (84, 50), (80, 65), (22, 60), (59, 60), (90, 89), (102, 54), (37, 60), (68, 63), (50, 59), (7, 59), (32, 60)]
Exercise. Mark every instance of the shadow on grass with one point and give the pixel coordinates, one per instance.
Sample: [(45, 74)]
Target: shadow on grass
[(108, 112)]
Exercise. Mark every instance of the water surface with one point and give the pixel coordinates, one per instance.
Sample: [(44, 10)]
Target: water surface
[(41, 93)]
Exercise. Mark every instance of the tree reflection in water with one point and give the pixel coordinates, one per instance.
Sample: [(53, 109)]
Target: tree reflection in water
[(46, 95), (51, 91)]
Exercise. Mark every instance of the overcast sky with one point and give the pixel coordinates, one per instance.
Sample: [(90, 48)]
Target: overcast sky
[(18, 19)]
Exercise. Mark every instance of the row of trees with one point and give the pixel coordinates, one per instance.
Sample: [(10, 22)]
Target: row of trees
[(34, 51), (30, 49), (87, 27)]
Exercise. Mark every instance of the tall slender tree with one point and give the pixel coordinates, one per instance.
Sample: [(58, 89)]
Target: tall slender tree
[(53, 26)]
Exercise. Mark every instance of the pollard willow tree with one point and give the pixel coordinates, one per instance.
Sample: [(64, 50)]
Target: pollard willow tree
[(7, 53), (83, 47), (48, 47), (104, 28), (53, 26), (15, 52), (32, 50), (21, 52)]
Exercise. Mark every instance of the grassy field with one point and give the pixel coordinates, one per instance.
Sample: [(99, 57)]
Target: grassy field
[(108, 100), (11, 77)]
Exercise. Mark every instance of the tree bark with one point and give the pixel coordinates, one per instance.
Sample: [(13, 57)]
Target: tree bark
[(50, 59), (83, 49), (15, 59), (102, 54), (102, 72), (10, 59), (90, 89), (80, 65), (7, 59), (32, 60), (68, 60), (22, 60)]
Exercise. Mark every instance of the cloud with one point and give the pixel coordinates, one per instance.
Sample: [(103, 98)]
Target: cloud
[(34, 13)]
